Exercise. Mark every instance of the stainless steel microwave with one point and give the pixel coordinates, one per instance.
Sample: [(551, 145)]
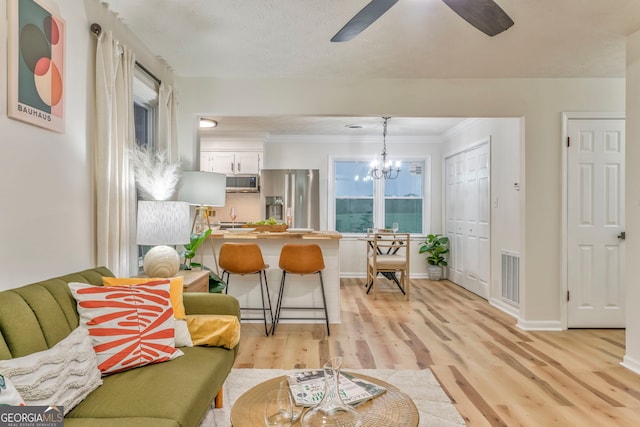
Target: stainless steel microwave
[(243, 184)]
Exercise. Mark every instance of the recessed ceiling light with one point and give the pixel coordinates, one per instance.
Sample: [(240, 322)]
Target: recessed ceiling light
[(354, 126), (208, 123)]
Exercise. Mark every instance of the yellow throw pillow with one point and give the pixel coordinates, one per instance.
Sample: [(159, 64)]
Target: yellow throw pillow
[(176, 287), (214, 330)]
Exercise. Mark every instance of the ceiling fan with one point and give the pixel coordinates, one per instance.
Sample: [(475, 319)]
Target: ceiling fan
[(485, 15)]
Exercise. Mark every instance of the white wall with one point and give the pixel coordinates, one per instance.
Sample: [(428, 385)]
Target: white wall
[(46, 213), (632, 211), (539, 101), (505, 135)]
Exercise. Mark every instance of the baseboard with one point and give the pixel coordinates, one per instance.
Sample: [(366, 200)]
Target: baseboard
[(353, 275), (631, 364), (541, 325), (503, 306)]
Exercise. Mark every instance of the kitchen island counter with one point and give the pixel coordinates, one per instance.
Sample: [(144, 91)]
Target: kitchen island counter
[(313, 235), (300, 290)]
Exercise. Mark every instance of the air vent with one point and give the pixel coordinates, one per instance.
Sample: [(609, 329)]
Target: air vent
[(511, 276)]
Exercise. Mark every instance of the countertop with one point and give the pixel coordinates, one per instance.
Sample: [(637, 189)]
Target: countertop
[(313, 235)]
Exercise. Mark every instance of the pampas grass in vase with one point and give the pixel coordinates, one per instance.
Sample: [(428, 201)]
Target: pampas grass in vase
[(156, 177)]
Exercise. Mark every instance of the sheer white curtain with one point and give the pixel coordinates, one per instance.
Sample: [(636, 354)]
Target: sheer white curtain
[(115, 185), (167, 122)]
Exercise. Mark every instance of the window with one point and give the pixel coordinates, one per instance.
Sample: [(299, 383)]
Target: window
[(354, 197), (403, 199), (143, 117), (145, 101), (362, 202)]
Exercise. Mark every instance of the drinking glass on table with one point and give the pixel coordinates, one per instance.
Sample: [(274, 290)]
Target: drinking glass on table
[(395, 227), (288, 217), (296, 410), (277, 409), (233, 214)]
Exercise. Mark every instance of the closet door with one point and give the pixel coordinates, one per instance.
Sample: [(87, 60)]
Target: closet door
[(454, 215), (469, 223)]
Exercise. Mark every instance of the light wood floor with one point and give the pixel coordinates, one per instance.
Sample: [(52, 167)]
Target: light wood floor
[(495, 373)]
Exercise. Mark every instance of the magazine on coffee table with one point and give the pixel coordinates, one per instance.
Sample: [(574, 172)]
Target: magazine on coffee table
[(307, 388)]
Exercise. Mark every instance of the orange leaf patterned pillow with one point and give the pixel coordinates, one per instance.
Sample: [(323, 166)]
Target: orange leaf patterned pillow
[(129, 326)]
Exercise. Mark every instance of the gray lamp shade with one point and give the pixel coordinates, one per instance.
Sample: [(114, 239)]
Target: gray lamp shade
[(163, 223), (203, 188)]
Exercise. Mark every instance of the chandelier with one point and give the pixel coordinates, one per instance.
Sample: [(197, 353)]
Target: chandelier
[(386, 168)]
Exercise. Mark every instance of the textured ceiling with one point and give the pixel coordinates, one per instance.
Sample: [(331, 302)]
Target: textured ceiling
[(414, 39)]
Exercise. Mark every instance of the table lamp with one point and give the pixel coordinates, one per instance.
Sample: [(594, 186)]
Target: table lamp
[(162, 223), (203, 190)]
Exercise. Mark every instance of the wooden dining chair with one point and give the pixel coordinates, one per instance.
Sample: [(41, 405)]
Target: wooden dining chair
[(389, 254)]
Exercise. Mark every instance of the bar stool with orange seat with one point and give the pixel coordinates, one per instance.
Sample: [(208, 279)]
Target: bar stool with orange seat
[(300, 259), (246, 258)]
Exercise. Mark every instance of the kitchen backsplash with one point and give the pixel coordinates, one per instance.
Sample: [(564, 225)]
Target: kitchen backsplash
[(247, 206)]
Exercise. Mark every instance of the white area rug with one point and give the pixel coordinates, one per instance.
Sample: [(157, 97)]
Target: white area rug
[(436, 410)]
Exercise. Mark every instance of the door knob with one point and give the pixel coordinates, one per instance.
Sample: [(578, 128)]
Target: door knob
[(622, 235)]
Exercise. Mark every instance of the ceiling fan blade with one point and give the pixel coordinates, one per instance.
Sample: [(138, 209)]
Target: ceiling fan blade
[(485, 15), (367, 16)]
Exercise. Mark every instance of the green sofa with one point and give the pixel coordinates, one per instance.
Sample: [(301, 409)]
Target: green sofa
[(177, 393)]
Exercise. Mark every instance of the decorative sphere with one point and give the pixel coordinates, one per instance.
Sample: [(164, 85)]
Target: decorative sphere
[(161, 261)]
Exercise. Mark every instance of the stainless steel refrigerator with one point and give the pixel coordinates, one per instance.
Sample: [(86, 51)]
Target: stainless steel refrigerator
[(294, 190)]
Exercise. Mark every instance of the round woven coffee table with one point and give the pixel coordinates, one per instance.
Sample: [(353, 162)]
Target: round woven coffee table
[(391, 408)]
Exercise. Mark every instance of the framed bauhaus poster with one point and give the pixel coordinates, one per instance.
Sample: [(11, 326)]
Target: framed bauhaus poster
[(36, 50)]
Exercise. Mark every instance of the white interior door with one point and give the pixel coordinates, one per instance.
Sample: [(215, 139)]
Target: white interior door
[(454, 214), (595, 216), (467, 177)]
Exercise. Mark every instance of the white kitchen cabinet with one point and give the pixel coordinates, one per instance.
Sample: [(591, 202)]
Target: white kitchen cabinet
[(231, 162), (248, 162), (217, 161)]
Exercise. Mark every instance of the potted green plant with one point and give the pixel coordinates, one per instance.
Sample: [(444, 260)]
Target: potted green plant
[(216, 285), (436, 246)]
